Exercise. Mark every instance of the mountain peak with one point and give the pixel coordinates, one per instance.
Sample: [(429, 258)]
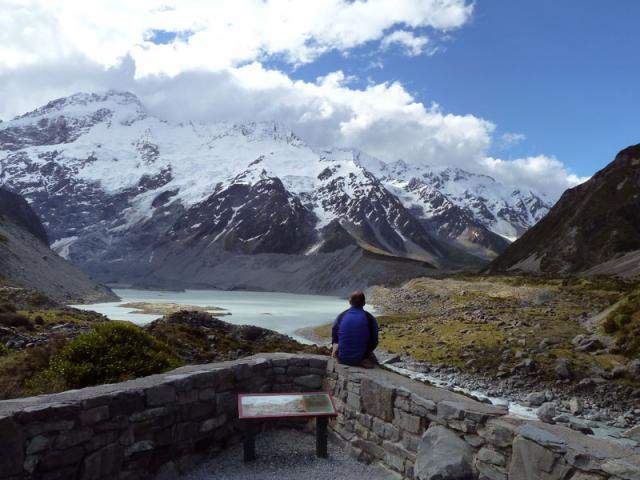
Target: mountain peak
[(82, 101)]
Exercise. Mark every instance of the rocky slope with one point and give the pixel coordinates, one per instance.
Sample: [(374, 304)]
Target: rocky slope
[(594, 227), (130, 197), (26, 259)]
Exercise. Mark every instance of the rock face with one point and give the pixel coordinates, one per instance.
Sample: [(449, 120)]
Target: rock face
[(594, 228), (27, 261), (443, 455), (129, 197)]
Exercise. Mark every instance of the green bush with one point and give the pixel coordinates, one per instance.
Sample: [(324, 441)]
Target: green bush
[(114, 351)]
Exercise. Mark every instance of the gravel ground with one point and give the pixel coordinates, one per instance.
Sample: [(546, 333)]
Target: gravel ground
[(285, 455)]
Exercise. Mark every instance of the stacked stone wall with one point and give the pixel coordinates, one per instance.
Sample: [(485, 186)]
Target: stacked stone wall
[(161, 424), (424, 432), (165, 424)]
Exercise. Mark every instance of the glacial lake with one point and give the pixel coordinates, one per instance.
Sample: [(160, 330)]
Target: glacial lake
[(283, 312)]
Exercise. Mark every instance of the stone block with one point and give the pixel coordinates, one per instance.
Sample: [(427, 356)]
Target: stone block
[(410, 442), (465, 426), (421, 406), (94, 415), (309, 381), (142, 446), (353, 401), (11, 447), (101, 440), (442, 454), (149, 414), (72, 438), (398, 450), (104, 463), (213, 423), (48, 427), (207, 394), (371, 449), (474, 440), (530, 461), (488, 455), (56, 459), (488, 471), (450, 410), (227, 403), (498, 433), (160, 395), (38, 444), (377, 399), (407, 422), (47, 412), (126, 402), (187, 397), (319, 363)]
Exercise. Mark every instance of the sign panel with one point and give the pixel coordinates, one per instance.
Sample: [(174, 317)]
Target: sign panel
[(274, 405)]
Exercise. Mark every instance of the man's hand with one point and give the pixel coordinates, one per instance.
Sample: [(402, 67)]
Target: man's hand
[(334, 350)]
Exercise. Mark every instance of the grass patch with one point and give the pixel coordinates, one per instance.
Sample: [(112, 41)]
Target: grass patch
[(323, 331), (19, 371), (624, 323)]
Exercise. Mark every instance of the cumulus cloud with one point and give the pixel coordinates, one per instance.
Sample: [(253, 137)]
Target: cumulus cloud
[(540, 173), (213, 68)]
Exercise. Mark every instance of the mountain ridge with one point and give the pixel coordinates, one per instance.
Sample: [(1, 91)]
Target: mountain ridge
[(27, 261), (112, 183), (593, 228)]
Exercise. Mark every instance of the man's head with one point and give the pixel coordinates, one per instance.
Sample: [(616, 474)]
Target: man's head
[(356, 299)]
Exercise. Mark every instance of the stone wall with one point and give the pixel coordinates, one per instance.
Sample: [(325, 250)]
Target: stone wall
[(154, 425), (430, 433), (163, 424)]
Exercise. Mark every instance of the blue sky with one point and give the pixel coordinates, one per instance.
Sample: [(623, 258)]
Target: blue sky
[(564, 73)]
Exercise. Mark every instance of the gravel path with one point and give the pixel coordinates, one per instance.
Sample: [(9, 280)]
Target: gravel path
[(285, 455)]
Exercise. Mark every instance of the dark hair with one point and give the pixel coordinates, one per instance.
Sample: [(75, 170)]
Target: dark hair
[(356, 299)]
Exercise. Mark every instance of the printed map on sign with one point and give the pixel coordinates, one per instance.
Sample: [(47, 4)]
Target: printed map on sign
[(285, 405)]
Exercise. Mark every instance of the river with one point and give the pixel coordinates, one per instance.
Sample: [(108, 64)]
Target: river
[(283, 312)]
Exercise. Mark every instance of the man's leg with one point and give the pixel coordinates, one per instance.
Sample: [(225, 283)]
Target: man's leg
[(370, 361)]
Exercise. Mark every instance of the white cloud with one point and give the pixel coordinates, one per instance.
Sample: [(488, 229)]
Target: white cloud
[(54, 48), (224, 33), (413, 45), (541, 173)]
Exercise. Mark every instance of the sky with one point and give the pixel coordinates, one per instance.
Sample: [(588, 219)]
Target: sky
[(539, 94)]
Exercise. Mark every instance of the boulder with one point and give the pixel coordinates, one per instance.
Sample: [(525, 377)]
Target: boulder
[(443, 455), (547, 412), (535, 399), (633, 433), (575, 406), (563, 369)]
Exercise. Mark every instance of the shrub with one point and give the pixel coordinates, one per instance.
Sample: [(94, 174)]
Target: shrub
[(20, 372), (610, 325), (12, 319), (114, 351)]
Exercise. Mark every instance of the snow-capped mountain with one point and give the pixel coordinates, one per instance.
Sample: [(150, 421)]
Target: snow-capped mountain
[(129, 196)]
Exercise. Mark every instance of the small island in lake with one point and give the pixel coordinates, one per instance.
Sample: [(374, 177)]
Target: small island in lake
[(169, 308)]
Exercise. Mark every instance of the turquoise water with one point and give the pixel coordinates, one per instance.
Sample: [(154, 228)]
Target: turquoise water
[(283, 312)]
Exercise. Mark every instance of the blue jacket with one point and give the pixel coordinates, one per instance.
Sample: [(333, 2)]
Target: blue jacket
[(356, 333)]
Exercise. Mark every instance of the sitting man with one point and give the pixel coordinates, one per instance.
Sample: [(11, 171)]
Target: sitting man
[(355, 334)]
